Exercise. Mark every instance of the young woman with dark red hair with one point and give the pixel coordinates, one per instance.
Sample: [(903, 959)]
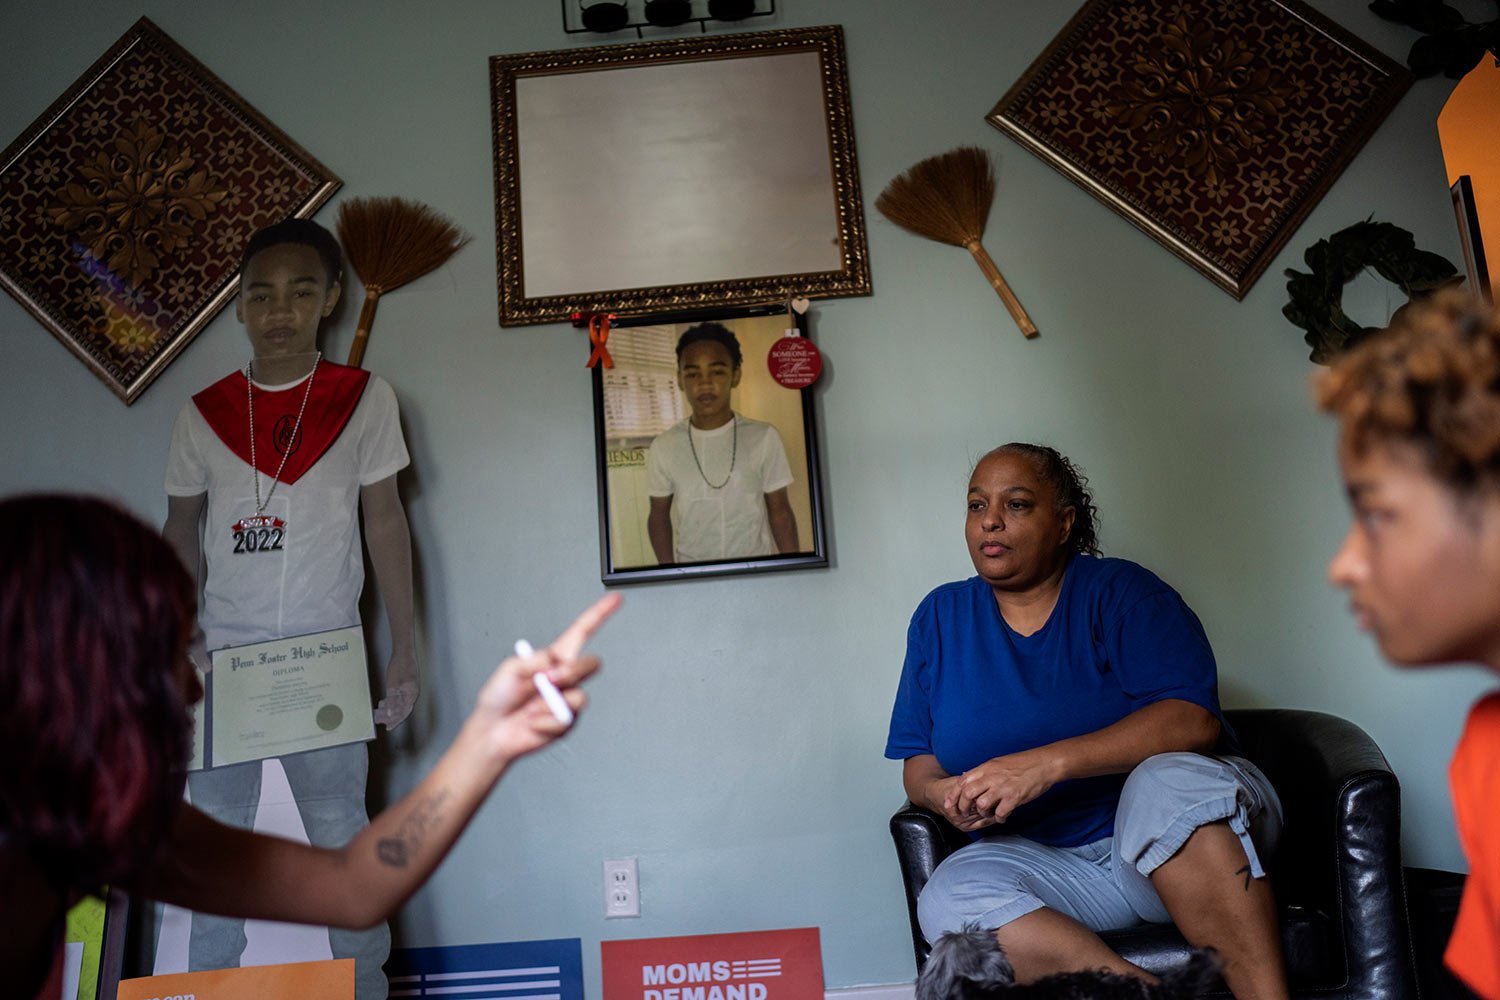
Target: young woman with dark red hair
[(96, 615)]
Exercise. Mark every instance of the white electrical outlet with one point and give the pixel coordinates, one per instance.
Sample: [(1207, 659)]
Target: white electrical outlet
[(622, 888)]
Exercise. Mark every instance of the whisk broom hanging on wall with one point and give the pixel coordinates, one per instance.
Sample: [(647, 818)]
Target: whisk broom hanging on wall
[(391, 241), (947, 198)]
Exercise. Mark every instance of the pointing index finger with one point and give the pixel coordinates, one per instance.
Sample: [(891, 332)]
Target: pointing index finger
[(568, 645)]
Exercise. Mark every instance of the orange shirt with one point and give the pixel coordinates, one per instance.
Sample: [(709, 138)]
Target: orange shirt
[(1473, 953)]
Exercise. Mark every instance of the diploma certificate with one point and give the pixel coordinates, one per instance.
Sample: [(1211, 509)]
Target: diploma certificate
[(270, 699)]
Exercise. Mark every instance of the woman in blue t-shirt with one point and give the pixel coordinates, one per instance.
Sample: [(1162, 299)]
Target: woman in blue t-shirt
[(1063, 709)]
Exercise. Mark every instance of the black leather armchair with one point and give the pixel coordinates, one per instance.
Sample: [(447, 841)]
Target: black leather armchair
[(1336, 872)]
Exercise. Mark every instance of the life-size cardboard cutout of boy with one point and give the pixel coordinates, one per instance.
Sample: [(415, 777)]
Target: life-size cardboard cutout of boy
[(309, 445), (717, 480)]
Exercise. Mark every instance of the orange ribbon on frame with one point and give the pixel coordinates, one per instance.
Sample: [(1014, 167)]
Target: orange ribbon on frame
[(598, 335)]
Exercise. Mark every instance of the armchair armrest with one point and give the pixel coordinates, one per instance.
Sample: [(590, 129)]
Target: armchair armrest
[(923, 840), (1337, 790)]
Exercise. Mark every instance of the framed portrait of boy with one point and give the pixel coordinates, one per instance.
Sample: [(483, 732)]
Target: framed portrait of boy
[(707, 465)]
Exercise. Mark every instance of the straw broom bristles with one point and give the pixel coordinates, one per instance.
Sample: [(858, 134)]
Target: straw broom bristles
[(391, 241), (947, 198)]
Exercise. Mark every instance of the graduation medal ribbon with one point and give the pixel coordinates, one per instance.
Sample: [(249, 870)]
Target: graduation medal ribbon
[(261, 533)]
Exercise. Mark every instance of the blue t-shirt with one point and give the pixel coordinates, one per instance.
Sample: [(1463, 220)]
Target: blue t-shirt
[(972, 688)]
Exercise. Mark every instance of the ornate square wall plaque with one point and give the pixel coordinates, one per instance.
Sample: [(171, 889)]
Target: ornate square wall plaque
[(124, 207), (1212, 125)]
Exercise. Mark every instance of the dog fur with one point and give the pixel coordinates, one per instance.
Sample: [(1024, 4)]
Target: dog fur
[(970, 965)]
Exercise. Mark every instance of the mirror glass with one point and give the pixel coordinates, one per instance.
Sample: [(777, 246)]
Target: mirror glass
[(704, 171)]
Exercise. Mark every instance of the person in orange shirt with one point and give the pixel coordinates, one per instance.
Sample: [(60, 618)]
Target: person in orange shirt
[(1419, 450)]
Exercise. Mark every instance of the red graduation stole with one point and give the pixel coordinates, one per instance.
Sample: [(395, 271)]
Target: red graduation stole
[(336, 391)]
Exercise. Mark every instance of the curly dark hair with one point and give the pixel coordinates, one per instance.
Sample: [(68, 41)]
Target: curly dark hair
[(96, 612), (716, 332), (1071, 486), (1432, 379)]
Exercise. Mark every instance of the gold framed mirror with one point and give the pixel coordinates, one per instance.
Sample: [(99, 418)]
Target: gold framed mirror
[(678, 174)]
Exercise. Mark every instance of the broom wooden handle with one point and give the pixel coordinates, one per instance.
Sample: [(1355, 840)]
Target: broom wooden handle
[(1012, 304), (362, 331)]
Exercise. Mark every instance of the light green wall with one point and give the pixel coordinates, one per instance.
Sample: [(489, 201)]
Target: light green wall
[(735, 736)]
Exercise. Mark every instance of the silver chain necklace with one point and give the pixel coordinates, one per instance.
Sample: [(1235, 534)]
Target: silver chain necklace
[(260, 508), (734, 449)]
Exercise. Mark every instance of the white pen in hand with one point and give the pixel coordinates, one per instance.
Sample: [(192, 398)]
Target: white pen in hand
[(561, 710)]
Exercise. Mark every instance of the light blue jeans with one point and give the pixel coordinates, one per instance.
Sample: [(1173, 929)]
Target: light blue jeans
[(1106, 885), (329, 786)]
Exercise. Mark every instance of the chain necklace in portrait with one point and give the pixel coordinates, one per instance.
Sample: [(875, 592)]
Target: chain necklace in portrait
[(260, 506), (733, 452)]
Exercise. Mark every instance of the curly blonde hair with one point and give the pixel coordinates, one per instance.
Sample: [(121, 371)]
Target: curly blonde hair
[(1432, 379)]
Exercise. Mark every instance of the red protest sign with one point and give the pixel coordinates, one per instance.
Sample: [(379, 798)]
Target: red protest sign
[(754, 965)]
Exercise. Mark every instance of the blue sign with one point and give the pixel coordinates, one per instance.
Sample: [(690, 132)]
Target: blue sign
[(523, 970)]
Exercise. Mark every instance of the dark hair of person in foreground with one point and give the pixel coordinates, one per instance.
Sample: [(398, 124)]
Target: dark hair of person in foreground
[(96, 617)]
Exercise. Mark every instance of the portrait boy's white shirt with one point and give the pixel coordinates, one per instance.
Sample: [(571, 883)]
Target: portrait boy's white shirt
[(729, 522)]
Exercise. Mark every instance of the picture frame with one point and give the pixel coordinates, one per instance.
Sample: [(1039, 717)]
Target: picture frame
[(627, 182), (1475, 263), (640, 400), (1212, 126), (125, 205)]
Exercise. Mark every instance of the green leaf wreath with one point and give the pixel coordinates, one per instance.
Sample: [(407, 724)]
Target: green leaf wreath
[(1317, 299)]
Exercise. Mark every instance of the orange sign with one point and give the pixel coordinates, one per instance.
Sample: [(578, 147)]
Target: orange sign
[(757, 965), (328, 980)]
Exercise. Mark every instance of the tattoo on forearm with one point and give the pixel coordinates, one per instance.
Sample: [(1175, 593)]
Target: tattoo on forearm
[(1245, 871), (398, 850)]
